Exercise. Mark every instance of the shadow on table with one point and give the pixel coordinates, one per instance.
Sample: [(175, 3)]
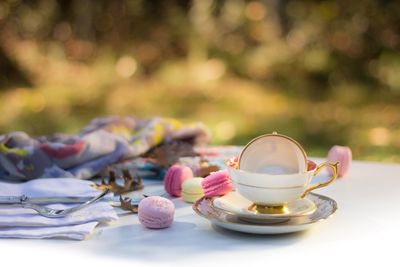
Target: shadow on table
[(183, 240)]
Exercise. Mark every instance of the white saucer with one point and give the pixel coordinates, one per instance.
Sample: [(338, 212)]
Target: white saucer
[(325, 208), (236, 204)]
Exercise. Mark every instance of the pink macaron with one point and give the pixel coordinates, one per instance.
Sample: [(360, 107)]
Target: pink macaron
[(217, 184), (343, 155), (174, 178), (156, 212), (311, 165)]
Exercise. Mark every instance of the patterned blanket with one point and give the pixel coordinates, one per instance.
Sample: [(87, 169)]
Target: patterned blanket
[(103, 142)]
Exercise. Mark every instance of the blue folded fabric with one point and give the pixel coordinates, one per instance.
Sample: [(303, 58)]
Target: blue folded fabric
[(103, 142)]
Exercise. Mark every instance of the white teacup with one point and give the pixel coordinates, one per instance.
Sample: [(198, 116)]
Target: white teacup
[(271, 193), (274, 154)]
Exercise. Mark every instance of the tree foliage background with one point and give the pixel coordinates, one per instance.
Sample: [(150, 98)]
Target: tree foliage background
[(324, 72)]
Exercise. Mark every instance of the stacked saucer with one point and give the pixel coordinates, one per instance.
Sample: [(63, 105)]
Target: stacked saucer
[(272, 178), (234, 218)]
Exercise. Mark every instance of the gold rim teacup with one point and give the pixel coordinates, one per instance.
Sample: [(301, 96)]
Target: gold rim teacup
[(273, 153), (271, 193)]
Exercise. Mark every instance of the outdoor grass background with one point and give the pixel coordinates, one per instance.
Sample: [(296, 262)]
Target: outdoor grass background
[(322, 72)]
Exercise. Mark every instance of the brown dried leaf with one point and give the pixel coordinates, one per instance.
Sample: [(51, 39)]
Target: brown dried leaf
[(206, 170), (131, 183), (169, 153), (127, 205)]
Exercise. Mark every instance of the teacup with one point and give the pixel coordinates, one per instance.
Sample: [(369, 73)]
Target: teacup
[(271, 193), (273, 154)]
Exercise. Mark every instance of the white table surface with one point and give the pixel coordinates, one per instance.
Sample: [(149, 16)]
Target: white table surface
[(365, 230)]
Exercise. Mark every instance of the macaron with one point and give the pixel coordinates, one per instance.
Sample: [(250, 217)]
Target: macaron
[(217, 184), (156, 212), (343, 155), (233, 162), (174, 178), (192, 189), (311, 165)]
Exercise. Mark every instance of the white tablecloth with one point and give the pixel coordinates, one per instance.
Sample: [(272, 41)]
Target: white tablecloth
[(364, 231)]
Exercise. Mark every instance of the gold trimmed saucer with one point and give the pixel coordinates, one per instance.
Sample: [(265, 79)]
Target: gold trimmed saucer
[(325, 208), (235, 203)]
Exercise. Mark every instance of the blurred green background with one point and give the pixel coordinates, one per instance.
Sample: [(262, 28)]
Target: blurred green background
[(323, 72)]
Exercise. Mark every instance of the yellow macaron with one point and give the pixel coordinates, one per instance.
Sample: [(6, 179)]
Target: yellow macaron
[(192, 189)]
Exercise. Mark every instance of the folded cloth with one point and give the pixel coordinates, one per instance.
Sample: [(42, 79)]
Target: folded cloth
[(74, 232), (103, 142), (25, 223)]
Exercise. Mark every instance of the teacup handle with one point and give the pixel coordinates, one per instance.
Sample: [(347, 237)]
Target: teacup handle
[(333, 166)]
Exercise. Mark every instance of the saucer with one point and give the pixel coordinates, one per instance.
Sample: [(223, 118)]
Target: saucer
[(235, 203), (325, 207)]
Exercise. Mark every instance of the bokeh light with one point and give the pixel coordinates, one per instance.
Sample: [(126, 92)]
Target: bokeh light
[(323, 72)]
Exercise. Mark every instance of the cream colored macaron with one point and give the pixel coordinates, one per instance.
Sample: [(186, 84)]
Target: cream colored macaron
[(192, 189)]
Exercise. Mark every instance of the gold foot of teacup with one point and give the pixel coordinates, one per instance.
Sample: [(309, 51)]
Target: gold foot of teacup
[(263, 209)]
